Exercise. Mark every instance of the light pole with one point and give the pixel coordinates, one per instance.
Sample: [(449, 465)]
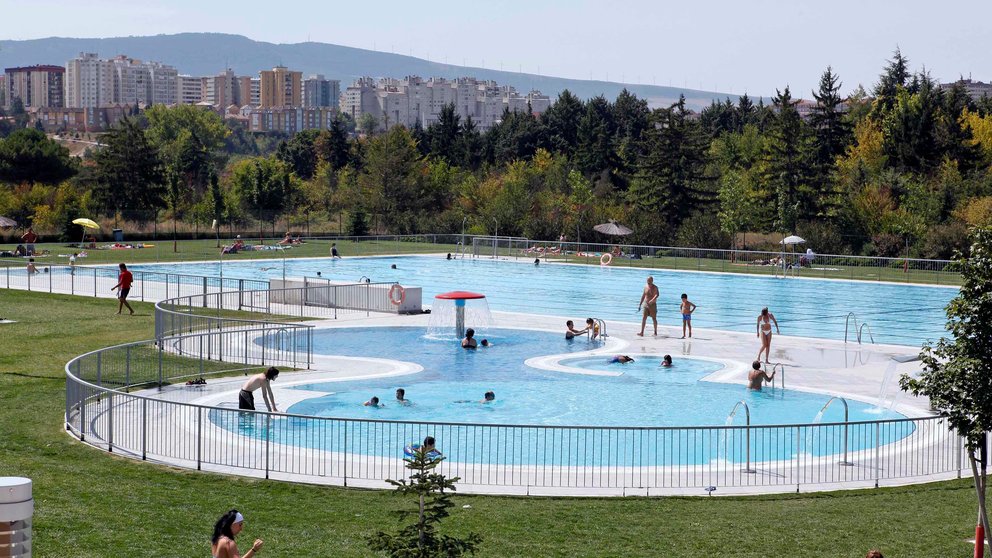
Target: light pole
[(495, 237)]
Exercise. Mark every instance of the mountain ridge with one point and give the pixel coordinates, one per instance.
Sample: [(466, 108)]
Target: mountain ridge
[(206, 54)]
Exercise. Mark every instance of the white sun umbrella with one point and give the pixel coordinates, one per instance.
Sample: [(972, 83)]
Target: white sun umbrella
[(791, 242)]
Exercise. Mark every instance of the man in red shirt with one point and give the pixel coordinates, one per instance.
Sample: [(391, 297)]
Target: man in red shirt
[(124, 280)]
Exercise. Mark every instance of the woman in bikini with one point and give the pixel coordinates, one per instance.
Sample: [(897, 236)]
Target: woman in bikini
[(222, 543), (764, 332)]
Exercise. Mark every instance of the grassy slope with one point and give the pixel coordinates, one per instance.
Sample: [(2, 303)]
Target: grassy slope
[(90, 503)]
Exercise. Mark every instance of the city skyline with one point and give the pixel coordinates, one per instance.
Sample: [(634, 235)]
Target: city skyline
[(756, 50)]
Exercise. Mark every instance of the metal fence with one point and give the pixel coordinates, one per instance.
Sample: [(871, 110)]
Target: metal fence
[(781, 263), (101, 410)]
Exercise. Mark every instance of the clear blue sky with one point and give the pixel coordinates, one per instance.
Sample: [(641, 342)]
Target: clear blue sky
[(750, 46)]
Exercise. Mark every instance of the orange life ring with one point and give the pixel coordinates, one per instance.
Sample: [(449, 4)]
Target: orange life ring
[(606, 259), (397, 288)]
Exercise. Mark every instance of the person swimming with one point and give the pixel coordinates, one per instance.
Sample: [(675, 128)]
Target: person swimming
[(489, 397), (374, 402), (756, 376), (621, 359), (666, 361), (571, 332), (401, 397), (486, 343)]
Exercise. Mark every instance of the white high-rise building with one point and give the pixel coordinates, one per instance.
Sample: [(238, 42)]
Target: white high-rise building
[(89, 82), (412, 100), (93, 83), (190, 89)]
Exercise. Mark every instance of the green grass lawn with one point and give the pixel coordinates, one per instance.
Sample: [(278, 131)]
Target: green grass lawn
[(89, 503)]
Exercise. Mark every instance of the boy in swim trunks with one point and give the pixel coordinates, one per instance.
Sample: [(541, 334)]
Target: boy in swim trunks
[(687, 309)]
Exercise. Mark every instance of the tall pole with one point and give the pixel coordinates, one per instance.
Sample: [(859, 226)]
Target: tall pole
[(495, 237)]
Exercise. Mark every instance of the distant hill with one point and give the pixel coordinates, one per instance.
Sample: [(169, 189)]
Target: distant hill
[(201, 54)]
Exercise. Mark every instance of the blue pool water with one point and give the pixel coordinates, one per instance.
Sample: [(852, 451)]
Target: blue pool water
[(897, 314), (453, 382)]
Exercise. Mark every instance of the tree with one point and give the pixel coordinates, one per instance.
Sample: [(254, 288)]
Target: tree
[(300, 153), (432, 492), (737, 204), (332, 145), (443, 135), (27, 155), (671, 178), (187, 138), (594, 153), (893, 79), (562, 121), (831, 134), (260, 185), (785, 158), (957, 371), (391, 179), (128, 171)]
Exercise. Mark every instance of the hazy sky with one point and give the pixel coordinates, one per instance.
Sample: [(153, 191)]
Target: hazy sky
[(731, 46)]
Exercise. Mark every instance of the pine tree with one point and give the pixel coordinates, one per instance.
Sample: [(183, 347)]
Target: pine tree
[(129, 175), (671, 178), (786, 162), (562, 123), (594, 153), (831, 135)]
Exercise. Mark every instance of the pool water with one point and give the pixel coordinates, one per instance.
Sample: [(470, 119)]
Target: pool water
[(897, 314), (637, 394)]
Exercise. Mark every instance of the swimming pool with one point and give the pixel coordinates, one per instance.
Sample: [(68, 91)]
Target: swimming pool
[(898, 314), (615, 400)]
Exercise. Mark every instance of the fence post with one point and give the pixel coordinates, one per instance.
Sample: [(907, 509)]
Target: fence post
[(878, 444), (144, 429), (268, 435), (110, 421), (960, 458), (199, 437), (94, 282), (127, 367), (160, 349)]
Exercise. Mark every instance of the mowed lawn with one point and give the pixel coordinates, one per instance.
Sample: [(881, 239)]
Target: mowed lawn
[(89, 503)]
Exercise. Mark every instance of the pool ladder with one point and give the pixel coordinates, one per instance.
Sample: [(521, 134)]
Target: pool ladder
[(779, 370), (858, 329)]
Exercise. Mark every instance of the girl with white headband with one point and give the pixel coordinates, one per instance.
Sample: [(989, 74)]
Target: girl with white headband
[(222, 544)]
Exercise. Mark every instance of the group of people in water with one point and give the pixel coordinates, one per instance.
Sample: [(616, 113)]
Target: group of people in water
[(592, 328), (401, 399)]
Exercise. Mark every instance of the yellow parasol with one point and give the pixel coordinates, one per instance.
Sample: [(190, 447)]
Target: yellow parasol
[(86, 224)]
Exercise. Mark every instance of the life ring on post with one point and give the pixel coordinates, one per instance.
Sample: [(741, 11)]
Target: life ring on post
[(397, 294), (606, 259)]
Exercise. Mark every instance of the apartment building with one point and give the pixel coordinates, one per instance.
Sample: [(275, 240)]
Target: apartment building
[(321, 92), (975, 89), (280, 87), (189, 89), (415, 101), (36, 86), (89, 82), (249, 91), (92, 82), (89, 119), (290, 120)]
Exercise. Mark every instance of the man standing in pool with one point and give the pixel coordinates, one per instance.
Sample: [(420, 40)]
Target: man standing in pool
[(246, 398), (764, 332), (469, 342), (649, 300), (756, 376)]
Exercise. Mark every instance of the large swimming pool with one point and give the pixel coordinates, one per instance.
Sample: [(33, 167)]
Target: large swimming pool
[(897, 314), (608, 396)]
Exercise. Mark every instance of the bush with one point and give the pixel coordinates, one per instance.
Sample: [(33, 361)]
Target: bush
[(886, 245), (942, 241), (702, 231), (823, 237)]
